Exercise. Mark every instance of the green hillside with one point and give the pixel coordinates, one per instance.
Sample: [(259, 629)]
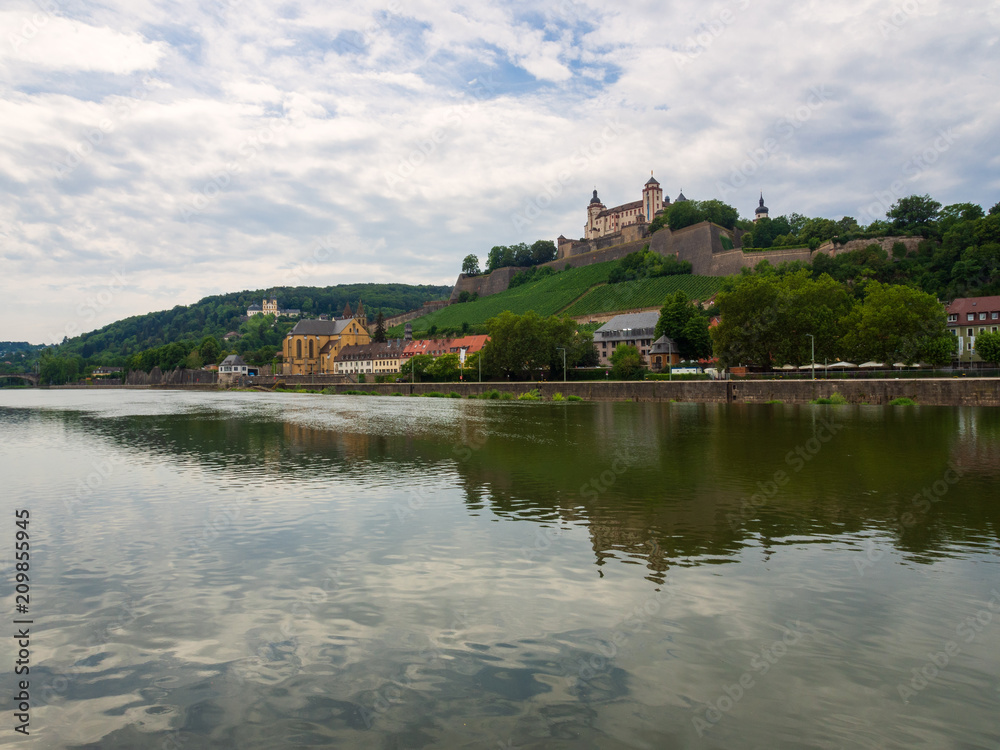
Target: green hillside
[(629, 295), (219, 314), (576, 291)]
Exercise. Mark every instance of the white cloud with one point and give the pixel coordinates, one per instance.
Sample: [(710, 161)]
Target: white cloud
[(44, 40), (206, 147)]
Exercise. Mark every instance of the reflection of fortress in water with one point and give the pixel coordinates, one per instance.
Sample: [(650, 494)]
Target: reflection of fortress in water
[(658, 485)]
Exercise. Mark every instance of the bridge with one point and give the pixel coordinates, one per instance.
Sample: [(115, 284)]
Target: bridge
[(30, 377)]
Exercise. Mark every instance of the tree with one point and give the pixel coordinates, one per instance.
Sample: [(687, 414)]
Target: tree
[(683, 322), (897, 323), (913, 211), (379, 335), (444, 369), (520, 345), (719, 213), (470, 265), (626, 363), (542, 251), (417, 364), (988, 347), (209, 349), (684, 214)]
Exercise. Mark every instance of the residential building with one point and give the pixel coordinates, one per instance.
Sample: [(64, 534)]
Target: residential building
[(663, 354), (967, 318), (634, 329), (437, 347), (376, 358), (312, 346)]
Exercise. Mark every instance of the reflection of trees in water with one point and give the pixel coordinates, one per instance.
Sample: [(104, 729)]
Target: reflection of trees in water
[(656, 484)]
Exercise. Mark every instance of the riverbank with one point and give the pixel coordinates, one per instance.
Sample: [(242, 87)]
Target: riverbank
[(931, 392), (928, 392)]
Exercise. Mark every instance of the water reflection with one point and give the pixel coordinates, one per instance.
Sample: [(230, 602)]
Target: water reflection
[(247, 571), (661, 485)]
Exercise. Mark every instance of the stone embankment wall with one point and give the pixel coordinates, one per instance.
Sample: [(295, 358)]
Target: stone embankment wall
[(929, 392)]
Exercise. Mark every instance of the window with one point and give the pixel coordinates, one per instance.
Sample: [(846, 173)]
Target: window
[(298, 348), (982, 330), (982, 316), (953, 317), (970, 332), (994, 316), (970, 316)]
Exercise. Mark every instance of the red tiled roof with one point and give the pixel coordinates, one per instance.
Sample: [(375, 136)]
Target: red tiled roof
[(965, 305)]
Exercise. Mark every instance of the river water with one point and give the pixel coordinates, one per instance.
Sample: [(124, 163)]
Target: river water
[(244, 570)]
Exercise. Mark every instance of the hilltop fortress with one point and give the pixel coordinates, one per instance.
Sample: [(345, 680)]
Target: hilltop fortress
[(613, 233)]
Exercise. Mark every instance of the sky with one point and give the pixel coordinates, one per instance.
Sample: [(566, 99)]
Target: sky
[(153, 152)]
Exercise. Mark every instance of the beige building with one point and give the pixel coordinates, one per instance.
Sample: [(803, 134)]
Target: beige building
[(635, 329), (375, 358), (967, 318)]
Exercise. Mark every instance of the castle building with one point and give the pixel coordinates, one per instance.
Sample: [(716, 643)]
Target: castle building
[(269, 306), (603, 221)]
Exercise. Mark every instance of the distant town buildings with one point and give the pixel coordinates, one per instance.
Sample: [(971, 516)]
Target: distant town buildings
[(967, 318)]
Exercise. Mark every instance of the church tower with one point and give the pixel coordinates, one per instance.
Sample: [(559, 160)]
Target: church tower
[(591, 230), (652, 198), (761, 212)]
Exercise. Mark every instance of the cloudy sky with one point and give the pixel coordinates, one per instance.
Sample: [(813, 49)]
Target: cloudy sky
[(154, 152)]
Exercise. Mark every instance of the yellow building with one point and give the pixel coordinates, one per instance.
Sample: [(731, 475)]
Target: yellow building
[(313, 345)]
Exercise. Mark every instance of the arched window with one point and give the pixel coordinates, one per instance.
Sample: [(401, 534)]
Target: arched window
[(311, 355), (298, 348)]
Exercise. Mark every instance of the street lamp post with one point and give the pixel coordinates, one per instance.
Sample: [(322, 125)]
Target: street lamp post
[(563, 349), (812, 342)]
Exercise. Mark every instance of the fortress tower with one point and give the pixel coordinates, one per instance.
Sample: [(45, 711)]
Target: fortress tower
[(652, 197), (595, 208)]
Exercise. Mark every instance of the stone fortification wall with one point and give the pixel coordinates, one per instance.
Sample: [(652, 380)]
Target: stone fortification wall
[(484, 284), (426, 309), (700, 245)]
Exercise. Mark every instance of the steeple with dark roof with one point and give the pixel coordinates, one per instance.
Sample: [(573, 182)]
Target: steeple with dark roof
[(348, 314), (761, 209), (595, 199)]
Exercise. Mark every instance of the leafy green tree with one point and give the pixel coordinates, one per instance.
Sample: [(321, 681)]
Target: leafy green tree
[(988, 347), (542, 251), (912, 212), (193, 361), (379, 335), (682, 321), (897, 323), (520, 345), (444, 369), (626, 363), (684, 214), (470, 265), (209, 349), (719, 213), (416, 365)]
